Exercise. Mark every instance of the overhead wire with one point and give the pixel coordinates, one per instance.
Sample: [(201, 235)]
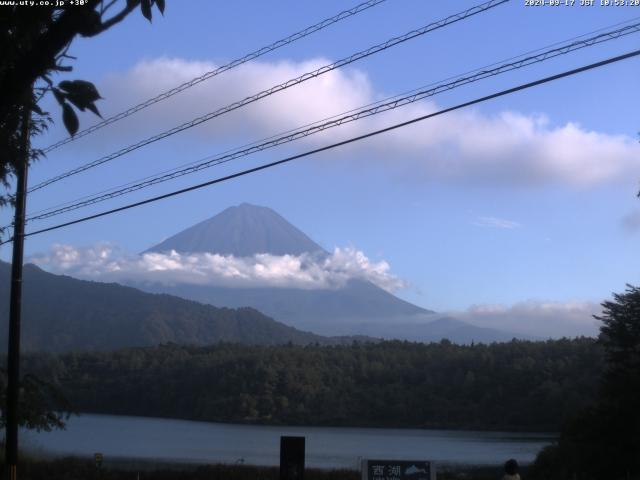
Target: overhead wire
[(280, 87), (351, 116), (501, 93), (262, 140)]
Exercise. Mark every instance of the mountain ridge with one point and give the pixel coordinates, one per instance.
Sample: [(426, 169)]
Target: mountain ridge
[(61, 313)]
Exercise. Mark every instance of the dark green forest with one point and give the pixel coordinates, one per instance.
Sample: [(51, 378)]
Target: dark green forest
[(516, 385)]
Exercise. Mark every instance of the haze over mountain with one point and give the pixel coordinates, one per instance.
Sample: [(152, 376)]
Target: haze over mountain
[(61, 313), (359, 307)]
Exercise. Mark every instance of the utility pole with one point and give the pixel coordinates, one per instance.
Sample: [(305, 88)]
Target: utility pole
[(13, 361)]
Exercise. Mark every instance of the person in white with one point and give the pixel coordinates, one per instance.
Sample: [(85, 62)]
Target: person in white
[(511, 470)]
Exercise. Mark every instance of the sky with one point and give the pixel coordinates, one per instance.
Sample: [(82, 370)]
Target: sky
[(521, 206)]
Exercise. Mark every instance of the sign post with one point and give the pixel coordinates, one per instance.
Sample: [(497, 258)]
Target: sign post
[(292, 458), (398, 470)]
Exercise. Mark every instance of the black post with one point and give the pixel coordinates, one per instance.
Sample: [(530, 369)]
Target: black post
[(292, 458), (13, 361)]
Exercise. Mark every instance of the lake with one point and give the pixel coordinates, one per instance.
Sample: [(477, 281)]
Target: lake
[(326, 447)]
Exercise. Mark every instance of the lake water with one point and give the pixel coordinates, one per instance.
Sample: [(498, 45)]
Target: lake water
[(326, 447)]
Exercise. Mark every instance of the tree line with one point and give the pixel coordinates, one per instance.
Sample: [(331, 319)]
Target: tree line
[(519, 385)]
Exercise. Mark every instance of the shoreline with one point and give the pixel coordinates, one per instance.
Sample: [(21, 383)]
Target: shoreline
[(542, 433), (153, 440)]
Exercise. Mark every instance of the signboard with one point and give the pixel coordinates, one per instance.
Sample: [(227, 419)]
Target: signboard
[(398, 470), (291, 458)]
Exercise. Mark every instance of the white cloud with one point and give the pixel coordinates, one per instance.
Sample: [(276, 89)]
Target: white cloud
[(537, 318), (317, 98), (104, 262), (464, 146), (495, 222)]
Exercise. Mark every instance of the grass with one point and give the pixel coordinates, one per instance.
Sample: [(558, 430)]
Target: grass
[(79, 469), (73, 468)]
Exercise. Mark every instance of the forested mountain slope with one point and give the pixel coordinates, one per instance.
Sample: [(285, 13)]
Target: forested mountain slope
[(61, 313)]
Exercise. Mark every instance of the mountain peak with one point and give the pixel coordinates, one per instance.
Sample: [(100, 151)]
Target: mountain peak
[(249, 206), (243, 230)]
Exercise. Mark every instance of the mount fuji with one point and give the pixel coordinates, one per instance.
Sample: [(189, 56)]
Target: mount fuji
[(359, 307)]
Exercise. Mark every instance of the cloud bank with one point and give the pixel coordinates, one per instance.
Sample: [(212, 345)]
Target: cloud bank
[(107, 263), (465, 146), (537, 318)]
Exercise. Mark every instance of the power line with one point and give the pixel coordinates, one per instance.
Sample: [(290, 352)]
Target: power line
[(212, 73), (255, 142), (518, 88), (283, 86), (354, 115), (416, 90)]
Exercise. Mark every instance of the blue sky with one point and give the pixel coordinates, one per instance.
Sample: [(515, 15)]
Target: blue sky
[(552, 217)]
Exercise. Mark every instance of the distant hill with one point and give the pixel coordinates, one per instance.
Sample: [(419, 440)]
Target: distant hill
[(436, 327), (61, 313), (327, 312)]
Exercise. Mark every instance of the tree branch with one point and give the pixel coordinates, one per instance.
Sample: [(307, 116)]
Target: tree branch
[(36, 62), (105, 8), (131, 6)]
